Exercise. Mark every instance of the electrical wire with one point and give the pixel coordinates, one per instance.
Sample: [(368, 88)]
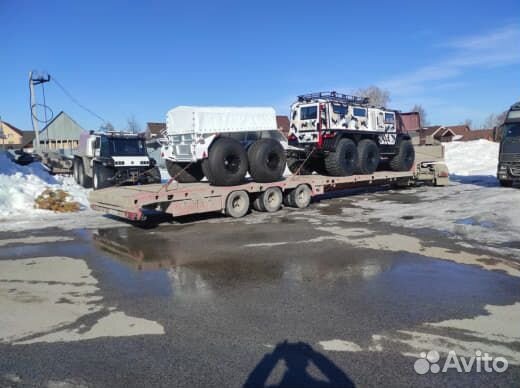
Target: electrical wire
[(74, 100)]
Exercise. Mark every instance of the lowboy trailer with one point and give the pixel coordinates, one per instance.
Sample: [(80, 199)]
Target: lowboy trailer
[(136, 203)]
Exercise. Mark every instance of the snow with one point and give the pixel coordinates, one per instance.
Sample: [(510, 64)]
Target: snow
[(20, 185), (472, 158)]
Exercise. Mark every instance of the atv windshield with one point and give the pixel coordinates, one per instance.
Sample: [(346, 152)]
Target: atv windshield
[(122, 147)]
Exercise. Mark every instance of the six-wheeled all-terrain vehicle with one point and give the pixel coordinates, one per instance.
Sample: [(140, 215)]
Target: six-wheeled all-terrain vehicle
[(106, 159), (223, 144), (340, 135)]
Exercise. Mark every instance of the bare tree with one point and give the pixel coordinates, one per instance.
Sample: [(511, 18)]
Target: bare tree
[(106, 127), (422, 113), (468, 122), (376, 95), (132, 125), (494, 120)]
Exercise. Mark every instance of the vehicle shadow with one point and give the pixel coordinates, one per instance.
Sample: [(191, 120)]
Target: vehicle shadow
[(477, 180), (297, 358)]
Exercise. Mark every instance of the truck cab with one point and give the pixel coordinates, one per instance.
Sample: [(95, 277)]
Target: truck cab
[(508, 172)]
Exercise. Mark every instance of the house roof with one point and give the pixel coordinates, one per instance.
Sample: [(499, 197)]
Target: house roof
[(155, 129), (17, 130), (478, 134), (458, 129), (430, 131), (282, 123)]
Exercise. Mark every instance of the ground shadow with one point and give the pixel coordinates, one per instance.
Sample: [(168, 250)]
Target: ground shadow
[(297, 358), (478, 180)]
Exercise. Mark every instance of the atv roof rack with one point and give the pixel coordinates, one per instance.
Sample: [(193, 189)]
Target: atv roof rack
[(334, 97)]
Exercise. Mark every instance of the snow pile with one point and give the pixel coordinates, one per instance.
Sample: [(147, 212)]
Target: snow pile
[(477, 157), (20, 185)]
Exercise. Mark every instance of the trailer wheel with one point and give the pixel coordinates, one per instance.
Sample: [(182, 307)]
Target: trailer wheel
[(405, 157), (300, 197), (269, 201), (266, 159), (295, 167), (343, 161), (184, 173), (237, 204), (368, 156), (101, 176), (84, 179), (227, 162)]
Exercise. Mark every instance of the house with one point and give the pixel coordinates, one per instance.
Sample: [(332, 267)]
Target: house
[(154, 130), (62, 132), (282, 124), (438, 134), (15, 138), (486, 134)]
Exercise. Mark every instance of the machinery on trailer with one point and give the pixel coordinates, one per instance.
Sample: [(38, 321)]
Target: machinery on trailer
[(105, 159), (338, 135), (508, 172), (136, 203), (223, 144)]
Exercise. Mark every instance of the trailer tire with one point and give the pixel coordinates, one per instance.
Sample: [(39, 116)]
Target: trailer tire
[(300, 197), (227, 162), (84, 180), (296, 168), (343, 161), (368, 156), (405, 157), (269, 201), (101, 175), (266, 159), (190, 174), (237, 204)]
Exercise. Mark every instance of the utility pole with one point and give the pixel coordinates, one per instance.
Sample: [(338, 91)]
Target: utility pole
[(33, 80)]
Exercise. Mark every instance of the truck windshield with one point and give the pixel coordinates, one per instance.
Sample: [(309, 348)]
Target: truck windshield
[(512, 130), (309, 112), (122, 147)]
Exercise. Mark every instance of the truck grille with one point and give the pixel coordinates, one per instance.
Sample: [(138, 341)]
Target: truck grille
[(182, 149), (510, 157)]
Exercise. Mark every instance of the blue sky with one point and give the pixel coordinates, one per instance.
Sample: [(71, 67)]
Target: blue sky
[(459, 59)]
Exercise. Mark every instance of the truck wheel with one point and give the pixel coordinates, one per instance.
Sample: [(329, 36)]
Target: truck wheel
[(84, 179), (368, 156), (269, 200), (101, 176), (154, 175), (75, 170), (295, 167), (300, 197), (182, 174), (506, 183), (343, 161), (405, 157), (266, 159), (227, 162), (237, 204)]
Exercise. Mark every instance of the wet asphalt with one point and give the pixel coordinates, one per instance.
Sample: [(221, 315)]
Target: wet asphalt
[(238, 297)]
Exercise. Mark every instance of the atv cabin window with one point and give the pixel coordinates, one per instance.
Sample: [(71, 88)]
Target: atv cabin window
[(339, 109), (309, 112), (389, 118), (360, 112), (123, 147)]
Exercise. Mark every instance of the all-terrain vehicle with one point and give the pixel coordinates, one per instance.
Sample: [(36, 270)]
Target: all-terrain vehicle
[(340, 135), (509, 155), (223, 144), (105, 159)]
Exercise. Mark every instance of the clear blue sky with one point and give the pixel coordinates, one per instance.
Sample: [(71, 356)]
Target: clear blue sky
[(459, 59)]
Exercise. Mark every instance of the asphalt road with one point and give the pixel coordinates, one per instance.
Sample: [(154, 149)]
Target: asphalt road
[(298, 298)]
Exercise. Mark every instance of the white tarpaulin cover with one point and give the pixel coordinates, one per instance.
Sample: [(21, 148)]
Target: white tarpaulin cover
[(197, 119)]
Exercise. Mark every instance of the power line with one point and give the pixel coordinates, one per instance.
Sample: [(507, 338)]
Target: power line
[(74, 100)]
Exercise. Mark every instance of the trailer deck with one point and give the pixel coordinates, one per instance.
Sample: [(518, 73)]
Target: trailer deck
[(179, 199)]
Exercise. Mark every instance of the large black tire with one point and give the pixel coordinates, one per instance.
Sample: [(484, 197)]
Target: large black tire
[(295, 167), (154, 175), (192, 173), (368, 156), (206, 170), (405, 157), (101, 175), (318, 165), (343, 161), (84, 180), (227, 162), (266, 159)]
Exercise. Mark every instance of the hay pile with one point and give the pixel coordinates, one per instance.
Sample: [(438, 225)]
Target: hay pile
[(56, 200)]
